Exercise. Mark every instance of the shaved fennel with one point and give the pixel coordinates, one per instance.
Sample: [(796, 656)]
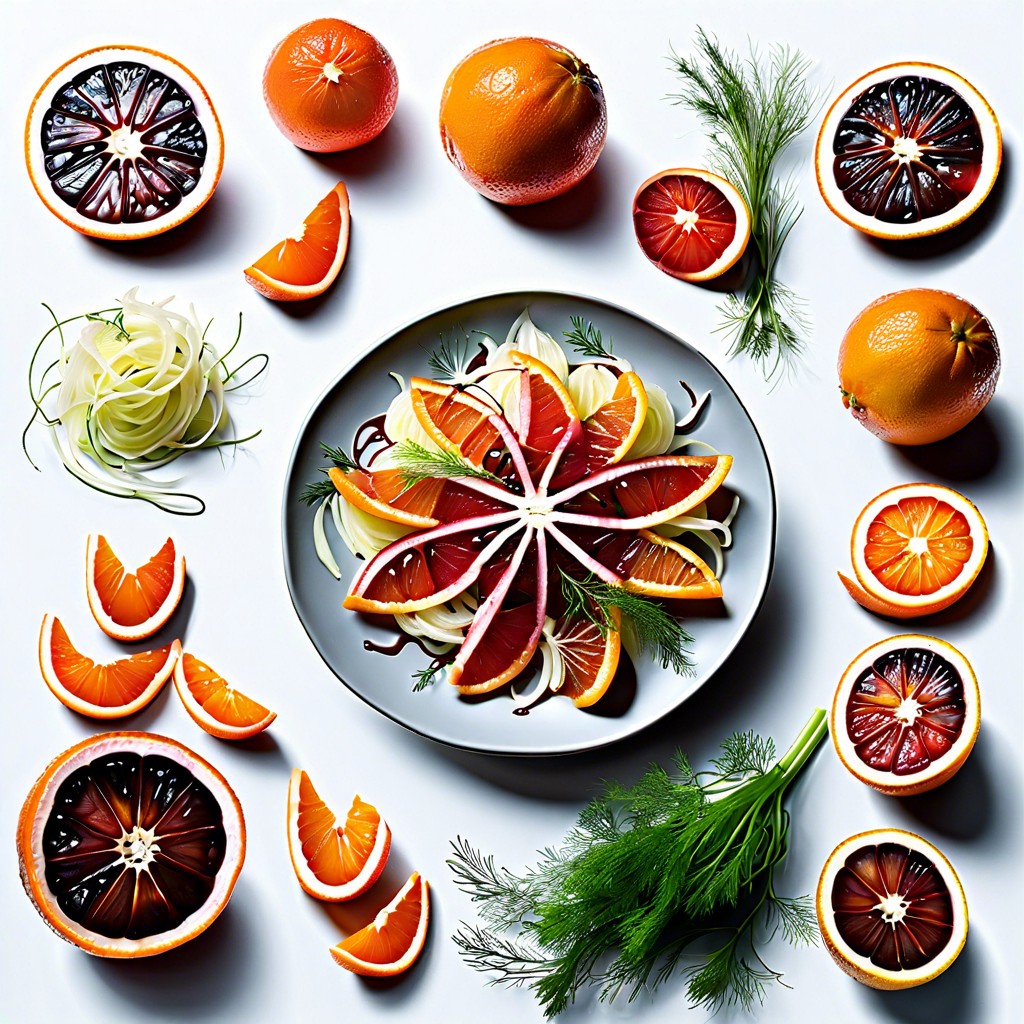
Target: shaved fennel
[(137, 389)]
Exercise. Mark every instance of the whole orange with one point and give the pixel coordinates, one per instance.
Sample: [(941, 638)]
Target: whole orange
[(523, 120), (330, 86), (916, 366)]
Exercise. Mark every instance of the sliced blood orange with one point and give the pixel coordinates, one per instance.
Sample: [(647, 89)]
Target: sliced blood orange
[(908, 150), (130, 844), (916, 549), (215, 705), (394, 939), (691, 224), (891, 909), (132, 606), (455, 420), (113, 690), (305, 264), (123, 142), (334, 862), (906, 714), (590, 656)]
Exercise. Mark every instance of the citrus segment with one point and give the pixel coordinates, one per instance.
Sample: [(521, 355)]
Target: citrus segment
[(918, 548), (306, 264), (334, 861), (906, 714), (216, 706), (891, 909), (455, 421), (590, 656), (130, 844), (523, 120), (123, 143), (132, 606), (394, 939), (908, 150), (330, 86), (113, 690), (691, 224)]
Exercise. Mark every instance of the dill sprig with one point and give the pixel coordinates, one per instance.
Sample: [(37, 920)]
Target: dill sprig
[(648, 871), (451, 356), (655, 629), (753, 108), (319, 489), (586, 339), (424, 677), (416, 463)]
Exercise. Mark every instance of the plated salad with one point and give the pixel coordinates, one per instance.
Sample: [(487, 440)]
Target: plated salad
[(521, 515)]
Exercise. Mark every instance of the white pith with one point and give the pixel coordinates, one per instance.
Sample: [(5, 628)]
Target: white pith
[(203, 109), (892, 904), (991, 155), (845, 747), (30, 847)]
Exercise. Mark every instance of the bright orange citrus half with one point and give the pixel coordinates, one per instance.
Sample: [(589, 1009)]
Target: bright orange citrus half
[(334, 861), (306, 263), (394, 939), (112, 690), (132, 606), (215, 705)]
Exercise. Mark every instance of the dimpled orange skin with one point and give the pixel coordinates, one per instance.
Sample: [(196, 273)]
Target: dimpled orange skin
[(918, 365), (330, 86), (523, 120)]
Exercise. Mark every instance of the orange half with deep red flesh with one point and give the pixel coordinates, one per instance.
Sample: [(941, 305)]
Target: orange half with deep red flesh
[(691, 224)]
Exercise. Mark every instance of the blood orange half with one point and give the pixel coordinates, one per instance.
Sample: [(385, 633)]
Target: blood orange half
[(906, 714), (394, 939), (130, 844), (306, 263), (891, 909), (916, 549), (908, 150), (691, 224), (123, 142), (132, 606), (216, 706), (334, 862), (114, 690)]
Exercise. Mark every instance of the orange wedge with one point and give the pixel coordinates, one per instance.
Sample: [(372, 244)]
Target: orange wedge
[(113, 690), (916, 549), (306, 263), (334, 862), (590, 657), (215, 705), (132, 606), (394, 939)]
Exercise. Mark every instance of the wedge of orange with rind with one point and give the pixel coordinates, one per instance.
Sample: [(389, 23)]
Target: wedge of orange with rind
[(215, 705), (132, 606), (112, 690), (391, 943), (906, 714), (129, 844), (916, 549), (334, 861), (306, 263), (891, 909)]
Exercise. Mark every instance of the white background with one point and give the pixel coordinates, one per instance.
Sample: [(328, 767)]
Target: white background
[(422, 239)]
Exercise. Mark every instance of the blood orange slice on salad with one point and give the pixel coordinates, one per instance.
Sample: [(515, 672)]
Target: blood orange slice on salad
[(908, 150), (691, 224), (906, 714), (123, 143)]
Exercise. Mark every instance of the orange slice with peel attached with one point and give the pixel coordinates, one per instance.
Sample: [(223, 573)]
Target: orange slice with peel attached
[(916, 549), (891, 909), (394, 939), (590, 656), (216, 706), (110, 690), (906, 714), (132, 606), (129, 844), (455, 420), (333, 861), (306, 263)]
